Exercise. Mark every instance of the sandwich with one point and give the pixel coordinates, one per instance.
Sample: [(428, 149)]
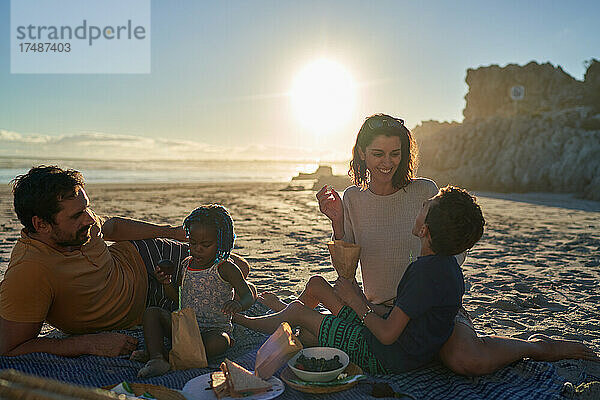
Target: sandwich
[(236, 381), (218, 383)]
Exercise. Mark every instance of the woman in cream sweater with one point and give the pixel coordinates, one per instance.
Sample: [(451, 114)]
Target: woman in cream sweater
[(378, 213)]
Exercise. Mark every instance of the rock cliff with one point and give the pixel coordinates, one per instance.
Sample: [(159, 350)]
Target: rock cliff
[(549, 141)]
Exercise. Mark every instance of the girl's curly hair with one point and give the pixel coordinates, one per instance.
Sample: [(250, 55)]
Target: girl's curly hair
[(216, 216)]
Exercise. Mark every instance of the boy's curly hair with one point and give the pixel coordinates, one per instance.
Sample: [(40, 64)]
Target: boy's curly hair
[(217, 217), (455, 221)]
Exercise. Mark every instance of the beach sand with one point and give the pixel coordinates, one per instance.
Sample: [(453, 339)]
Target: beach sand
[(536, 269)]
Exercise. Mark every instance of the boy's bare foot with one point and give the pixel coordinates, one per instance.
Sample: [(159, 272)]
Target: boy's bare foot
[(560, 349), (154, 367), (139, 356), (271, 300)]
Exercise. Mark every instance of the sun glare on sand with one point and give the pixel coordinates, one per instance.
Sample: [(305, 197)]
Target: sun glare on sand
[(323, 96)]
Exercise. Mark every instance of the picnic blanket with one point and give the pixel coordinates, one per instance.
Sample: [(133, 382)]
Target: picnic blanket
[(521, 380)]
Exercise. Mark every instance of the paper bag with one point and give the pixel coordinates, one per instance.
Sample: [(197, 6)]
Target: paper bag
[(187, 347), (276, 351), (344, 257)]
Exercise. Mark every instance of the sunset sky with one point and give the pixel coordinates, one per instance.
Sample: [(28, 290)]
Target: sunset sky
[(223, 73)]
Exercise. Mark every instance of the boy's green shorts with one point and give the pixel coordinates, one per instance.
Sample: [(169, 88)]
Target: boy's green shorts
[(344, 332)]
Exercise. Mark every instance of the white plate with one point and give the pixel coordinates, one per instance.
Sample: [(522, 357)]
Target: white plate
[(198, 388)]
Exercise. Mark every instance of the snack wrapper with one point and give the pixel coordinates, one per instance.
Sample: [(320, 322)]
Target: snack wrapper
[(188, 348), (276, 351), (344, 257)]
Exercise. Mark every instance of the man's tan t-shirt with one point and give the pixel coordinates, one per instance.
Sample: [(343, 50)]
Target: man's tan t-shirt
[(97, 288)]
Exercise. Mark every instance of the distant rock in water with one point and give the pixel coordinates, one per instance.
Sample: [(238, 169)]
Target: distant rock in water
[(322, 170), (526, 129), (321, 177)]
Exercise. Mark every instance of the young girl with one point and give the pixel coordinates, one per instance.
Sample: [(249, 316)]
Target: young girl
[(207, 286)]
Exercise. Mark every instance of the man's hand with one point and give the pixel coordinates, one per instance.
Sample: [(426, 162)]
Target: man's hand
[(107, 344), (178, 233)]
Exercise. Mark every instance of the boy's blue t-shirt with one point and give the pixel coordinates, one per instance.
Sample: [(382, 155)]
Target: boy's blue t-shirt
[(430, 293)]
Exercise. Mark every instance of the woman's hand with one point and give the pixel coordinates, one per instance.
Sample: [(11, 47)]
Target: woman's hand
[(349, 293), (331, 205)]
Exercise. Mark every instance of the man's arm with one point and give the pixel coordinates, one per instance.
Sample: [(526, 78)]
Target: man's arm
[(118, 228), (17, 338)]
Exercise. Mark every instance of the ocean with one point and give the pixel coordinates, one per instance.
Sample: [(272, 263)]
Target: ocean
[(173, 171)]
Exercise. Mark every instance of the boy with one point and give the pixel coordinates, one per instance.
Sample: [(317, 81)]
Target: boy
[(429, 295)]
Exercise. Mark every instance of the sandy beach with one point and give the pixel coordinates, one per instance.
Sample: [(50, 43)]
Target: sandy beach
[(536, 269)]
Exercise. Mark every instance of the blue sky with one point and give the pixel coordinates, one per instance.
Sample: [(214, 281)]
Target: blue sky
[(221, 71)]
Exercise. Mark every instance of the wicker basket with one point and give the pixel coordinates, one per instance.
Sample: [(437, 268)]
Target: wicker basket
[(160, 392), (18, 385)]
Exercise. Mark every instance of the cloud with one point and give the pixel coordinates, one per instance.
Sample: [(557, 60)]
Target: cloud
[(106, 146)]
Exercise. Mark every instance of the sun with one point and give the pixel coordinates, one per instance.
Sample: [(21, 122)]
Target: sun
[(323, 96)]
